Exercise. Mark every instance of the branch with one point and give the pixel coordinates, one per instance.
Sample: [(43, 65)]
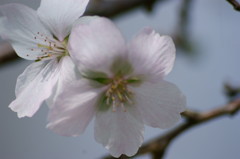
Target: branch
[(158, 146), (105, 8), (231, 91), (235, 4), (7, 53), (115, 8)]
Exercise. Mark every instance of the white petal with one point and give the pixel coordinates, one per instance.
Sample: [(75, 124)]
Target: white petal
[(95, 45), (160, 104), (59, 15), (120, 132), (85, 20), (67, 74), (34, 85), (20, 25), (73, 109), (152, 55)]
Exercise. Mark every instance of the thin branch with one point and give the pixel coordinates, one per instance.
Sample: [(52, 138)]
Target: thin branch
[(7, 53), (231, 91), (235, 4), (115, 8), (158, 146)]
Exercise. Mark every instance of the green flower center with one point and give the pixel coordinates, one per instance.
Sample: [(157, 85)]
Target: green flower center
[(118, 95)]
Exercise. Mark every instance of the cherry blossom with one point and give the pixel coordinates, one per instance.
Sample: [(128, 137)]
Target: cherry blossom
[(42, 36), (123, 87)]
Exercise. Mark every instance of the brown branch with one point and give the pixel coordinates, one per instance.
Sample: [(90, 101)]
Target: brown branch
[(235, 4), (158, 146), (110, 8), (107, 8), (231, 91), (7, 53)]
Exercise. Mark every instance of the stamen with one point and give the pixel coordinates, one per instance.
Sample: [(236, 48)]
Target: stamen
[(114, 106), (123, 107), (48, 46), (44, 46), (129, 100), (118, 94)]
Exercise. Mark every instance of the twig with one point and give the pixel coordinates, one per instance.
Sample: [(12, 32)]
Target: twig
[(235, 4), (114, 8), (231, 91), (158, 146), (7, 53)]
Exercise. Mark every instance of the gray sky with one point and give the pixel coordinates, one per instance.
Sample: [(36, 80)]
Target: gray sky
[(214, 30)]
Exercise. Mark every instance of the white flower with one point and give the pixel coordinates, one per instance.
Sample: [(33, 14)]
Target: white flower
[(123, 87), (42, 36)]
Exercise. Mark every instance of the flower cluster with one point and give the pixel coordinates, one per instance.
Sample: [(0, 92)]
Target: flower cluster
[(84, 69)]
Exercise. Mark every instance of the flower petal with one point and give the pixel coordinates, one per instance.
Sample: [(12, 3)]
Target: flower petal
[(73, 109), (59, 15), (20, 25), (96, 44), (120, 132), (67, 74), (160, 104), (34, 85), (85, 20), (152, 55)]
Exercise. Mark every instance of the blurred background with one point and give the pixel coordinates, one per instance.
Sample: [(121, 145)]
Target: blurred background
[(208, 56)]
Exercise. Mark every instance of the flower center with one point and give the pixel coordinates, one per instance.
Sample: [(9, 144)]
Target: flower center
[(118, 94), (49, 47)]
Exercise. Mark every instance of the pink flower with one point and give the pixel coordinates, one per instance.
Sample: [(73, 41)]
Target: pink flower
[(42, 36), (122, 86)]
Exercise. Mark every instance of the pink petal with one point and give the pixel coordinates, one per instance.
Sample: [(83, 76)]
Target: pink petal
[(34, 85), (59, 15), (96, 44), (152, 55), (160, 104), (67, 74), (73, 109), (120, 132)]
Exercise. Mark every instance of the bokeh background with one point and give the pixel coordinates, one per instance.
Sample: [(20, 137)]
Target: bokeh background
[(214, 35)]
